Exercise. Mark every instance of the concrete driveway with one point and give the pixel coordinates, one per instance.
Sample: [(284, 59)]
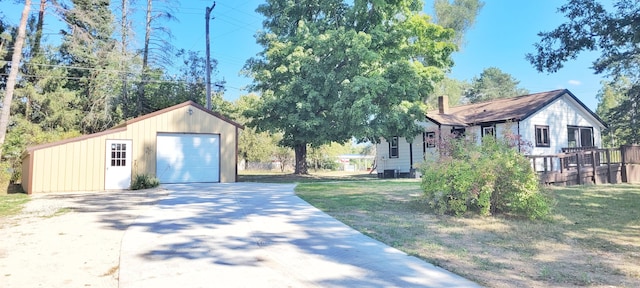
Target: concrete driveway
[(259, 235)]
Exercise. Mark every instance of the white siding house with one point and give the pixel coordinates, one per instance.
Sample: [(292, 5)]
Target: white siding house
[(549, 121)]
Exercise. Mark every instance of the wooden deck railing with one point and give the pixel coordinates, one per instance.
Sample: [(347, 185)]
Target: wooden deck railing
[(582, 165)]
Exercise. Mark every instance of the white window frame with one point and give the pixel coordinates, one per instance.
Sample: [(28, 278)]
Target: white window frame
[(541, 135), (578, 134), (485, 130), (394, 150), (428, 140)]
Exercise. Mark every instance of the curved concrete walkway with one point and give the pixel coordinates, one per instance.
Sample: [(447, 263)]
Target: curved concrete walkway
[(259, 235)]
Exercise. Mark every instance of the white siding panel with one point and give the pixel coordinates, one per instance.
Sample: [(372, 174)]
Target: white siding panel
[(403, 163), (384, 162), (418, 150)]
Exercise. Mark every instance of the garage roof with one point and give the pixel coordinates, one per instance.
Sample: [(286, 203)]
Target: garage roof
[(123, 126)]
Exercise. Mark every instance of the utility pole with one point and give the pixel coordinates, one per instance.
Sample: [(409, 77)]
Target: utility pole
[(208, 78)]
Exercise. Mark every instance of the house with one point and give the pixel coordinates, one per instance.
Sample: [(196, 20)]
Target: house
[(180, 144), (549, 121)]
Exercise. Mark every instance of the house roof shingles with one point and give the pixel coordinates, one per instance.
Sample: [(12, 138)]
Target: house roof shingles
[(502, 110)]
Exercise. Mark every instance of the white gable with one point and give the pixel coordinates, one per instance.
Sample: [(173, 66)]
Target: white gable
[(558, 115)]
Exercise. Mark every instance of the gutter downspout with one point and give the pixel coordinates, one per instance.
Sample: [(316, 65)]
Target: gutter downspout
[(519, 150), (410, 157), (236, 164), (439, 139)]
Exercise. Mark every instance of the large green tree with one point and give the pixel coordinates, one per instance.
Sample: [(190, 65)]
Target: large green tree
[(155, 54), (610, 96), (13, 74), (253, 146), (615, 33), (332, 70), (493, 84), (459, 15), (454, 90), (90, 50)]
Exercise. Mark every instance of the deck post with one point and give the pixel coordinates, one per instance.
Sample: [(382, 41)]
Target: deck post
[(594, 165), (579, 167), (609, 174), (534, 164)]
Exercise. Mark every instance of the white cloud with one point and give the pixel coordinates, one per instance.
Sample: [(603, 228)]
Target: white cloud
[(575, 82)]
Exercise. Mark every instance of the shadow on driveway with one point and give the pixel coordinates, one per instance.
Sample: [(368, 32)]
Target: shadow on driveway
[(259, 235)]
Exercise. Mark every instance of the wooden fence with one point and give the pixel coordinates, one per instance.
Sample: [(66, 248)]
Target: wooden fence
[(589, 165)]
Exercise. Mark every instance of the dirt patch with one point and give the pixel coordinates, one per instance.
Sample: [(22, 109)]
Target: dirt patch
[(69, 240)]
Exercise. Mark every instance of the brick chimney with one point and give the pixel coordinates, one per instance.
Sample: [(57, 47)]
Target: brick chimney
[(443, 104)]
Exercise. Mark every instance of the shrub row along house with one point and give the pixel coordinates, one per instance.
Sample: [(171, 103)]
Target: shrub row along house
[(549, 121), (184, 143)]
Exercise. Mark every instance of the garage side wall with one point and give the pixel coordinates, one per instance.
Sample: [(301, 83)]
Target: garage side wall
[(25, 174), (187, 119), (78, 165)]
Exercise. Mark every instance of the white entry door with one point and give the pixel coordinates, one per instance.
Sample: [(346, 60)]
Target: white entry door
[(187, 158), (118, 162)]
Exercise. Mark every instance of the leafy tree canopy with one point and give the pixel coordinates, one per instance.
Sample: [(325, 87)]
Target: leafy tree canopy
[(459, 15), (614, 33), (454, 90), (610, 96), (493, 84), (331, 70)]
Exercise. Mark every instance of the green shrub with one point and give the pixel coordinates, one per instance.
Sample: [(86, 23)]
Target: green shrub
[(6, 173), (486, 179), (143, 181)]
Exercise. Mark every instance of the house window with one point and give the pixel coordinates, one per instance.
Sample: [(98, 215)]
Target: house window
[(429, 140), (393, 147), (542, 136), (489, 131), (580, 136), (458, 132)]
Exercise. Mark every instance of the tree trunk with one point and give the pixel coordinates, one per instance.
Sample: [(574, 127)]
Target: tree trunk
[(301, 159), (145, 58), (124, 41), (13, 75), (39, 25)]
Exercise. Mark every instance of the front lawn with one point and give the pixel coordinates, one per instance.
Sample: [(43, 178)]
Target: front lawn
[(592, 239), (288, 177)]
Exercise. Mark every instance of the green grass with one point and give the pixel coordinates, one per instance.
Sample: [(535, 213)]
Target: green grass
[(11, 204), (288, 177), (60, 211), (592, 238)]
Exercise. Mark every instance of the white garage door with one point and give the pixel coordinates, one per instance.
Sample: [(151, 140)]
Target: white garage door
[(188, 158)]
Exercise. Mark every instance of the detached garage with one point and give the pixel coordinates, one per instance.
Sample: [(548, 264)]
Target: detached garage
[(184, 143)]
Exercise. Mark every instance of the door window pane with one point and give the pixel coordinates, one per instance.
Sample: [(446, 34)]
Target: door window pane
[(118, 154)]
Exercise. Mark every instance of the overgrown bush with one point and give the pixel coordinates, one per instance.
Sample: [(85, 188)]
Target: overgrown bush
[(487, 179), (143, 181)]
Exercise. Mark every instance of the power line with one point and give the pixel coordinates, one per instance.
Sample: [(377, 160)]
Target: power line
[(147, 81)]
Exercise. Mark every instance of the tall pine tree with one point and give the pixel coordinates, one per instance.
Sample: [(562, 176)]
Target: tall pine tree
[(93, 59)]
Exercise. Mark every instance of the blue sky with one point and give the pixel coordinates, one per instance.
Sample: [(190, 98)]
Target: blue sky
[(504, 32)]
